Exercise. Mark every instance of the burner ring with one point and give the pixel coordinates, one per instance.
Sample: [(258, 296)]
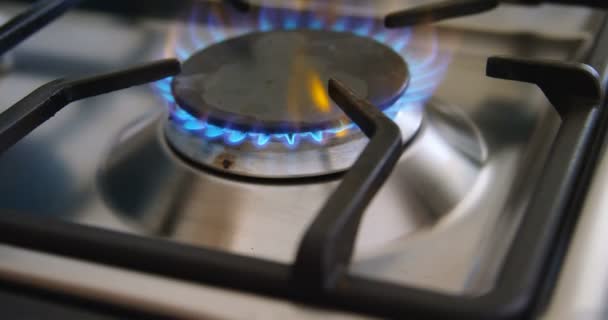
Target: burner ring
[(275, 161), (275, 82)]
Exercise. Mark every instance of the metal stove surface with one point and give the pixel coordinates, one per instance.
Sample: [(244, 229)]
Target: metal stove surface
[(425, 230)]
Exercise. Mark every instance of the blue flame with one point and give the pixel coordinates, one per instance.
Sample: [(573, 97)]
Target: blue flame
[(315, 23), (426, 70), (290, 21), (364, 29), (340, 25)]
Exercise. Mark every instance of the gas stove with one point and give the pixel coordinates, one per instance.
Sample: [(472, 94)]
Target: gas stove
[(303, 159)]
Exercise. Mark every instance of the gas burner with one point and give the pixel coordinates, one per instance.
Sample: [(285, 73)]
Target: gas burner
[(253, 102), (275, 82)]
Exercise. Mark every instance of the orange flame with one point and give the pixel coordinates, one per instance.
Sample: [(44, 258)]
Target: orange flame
[(317, 91), (343, 131)]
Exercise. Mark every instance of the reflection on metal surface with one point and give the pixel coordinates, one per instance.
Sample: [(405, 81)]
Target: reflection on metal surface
[(445, 160)]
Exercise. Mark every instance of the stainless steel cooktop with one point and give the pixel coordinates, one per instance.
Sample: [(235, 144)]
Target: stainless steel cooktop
[(443, 220)]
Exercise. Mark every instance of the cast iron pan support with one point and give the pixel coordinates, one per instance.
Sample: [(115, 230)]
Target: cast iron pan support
[(40, 105), (327, 247), (447, 9), (33, 19), (566, 85), (319, 275), (320, 270), (575, 91)]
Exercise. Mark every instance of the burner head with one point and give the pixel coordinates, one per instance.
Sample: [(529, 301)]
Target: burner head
[(275, 82)]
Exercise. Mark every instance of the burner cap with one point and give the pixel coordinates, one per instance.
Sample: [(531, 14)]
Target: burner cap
[(275, 82)]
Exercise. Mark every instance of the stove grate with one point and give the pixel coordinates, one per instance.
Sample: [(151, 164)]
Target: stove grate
[(320, 274)]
